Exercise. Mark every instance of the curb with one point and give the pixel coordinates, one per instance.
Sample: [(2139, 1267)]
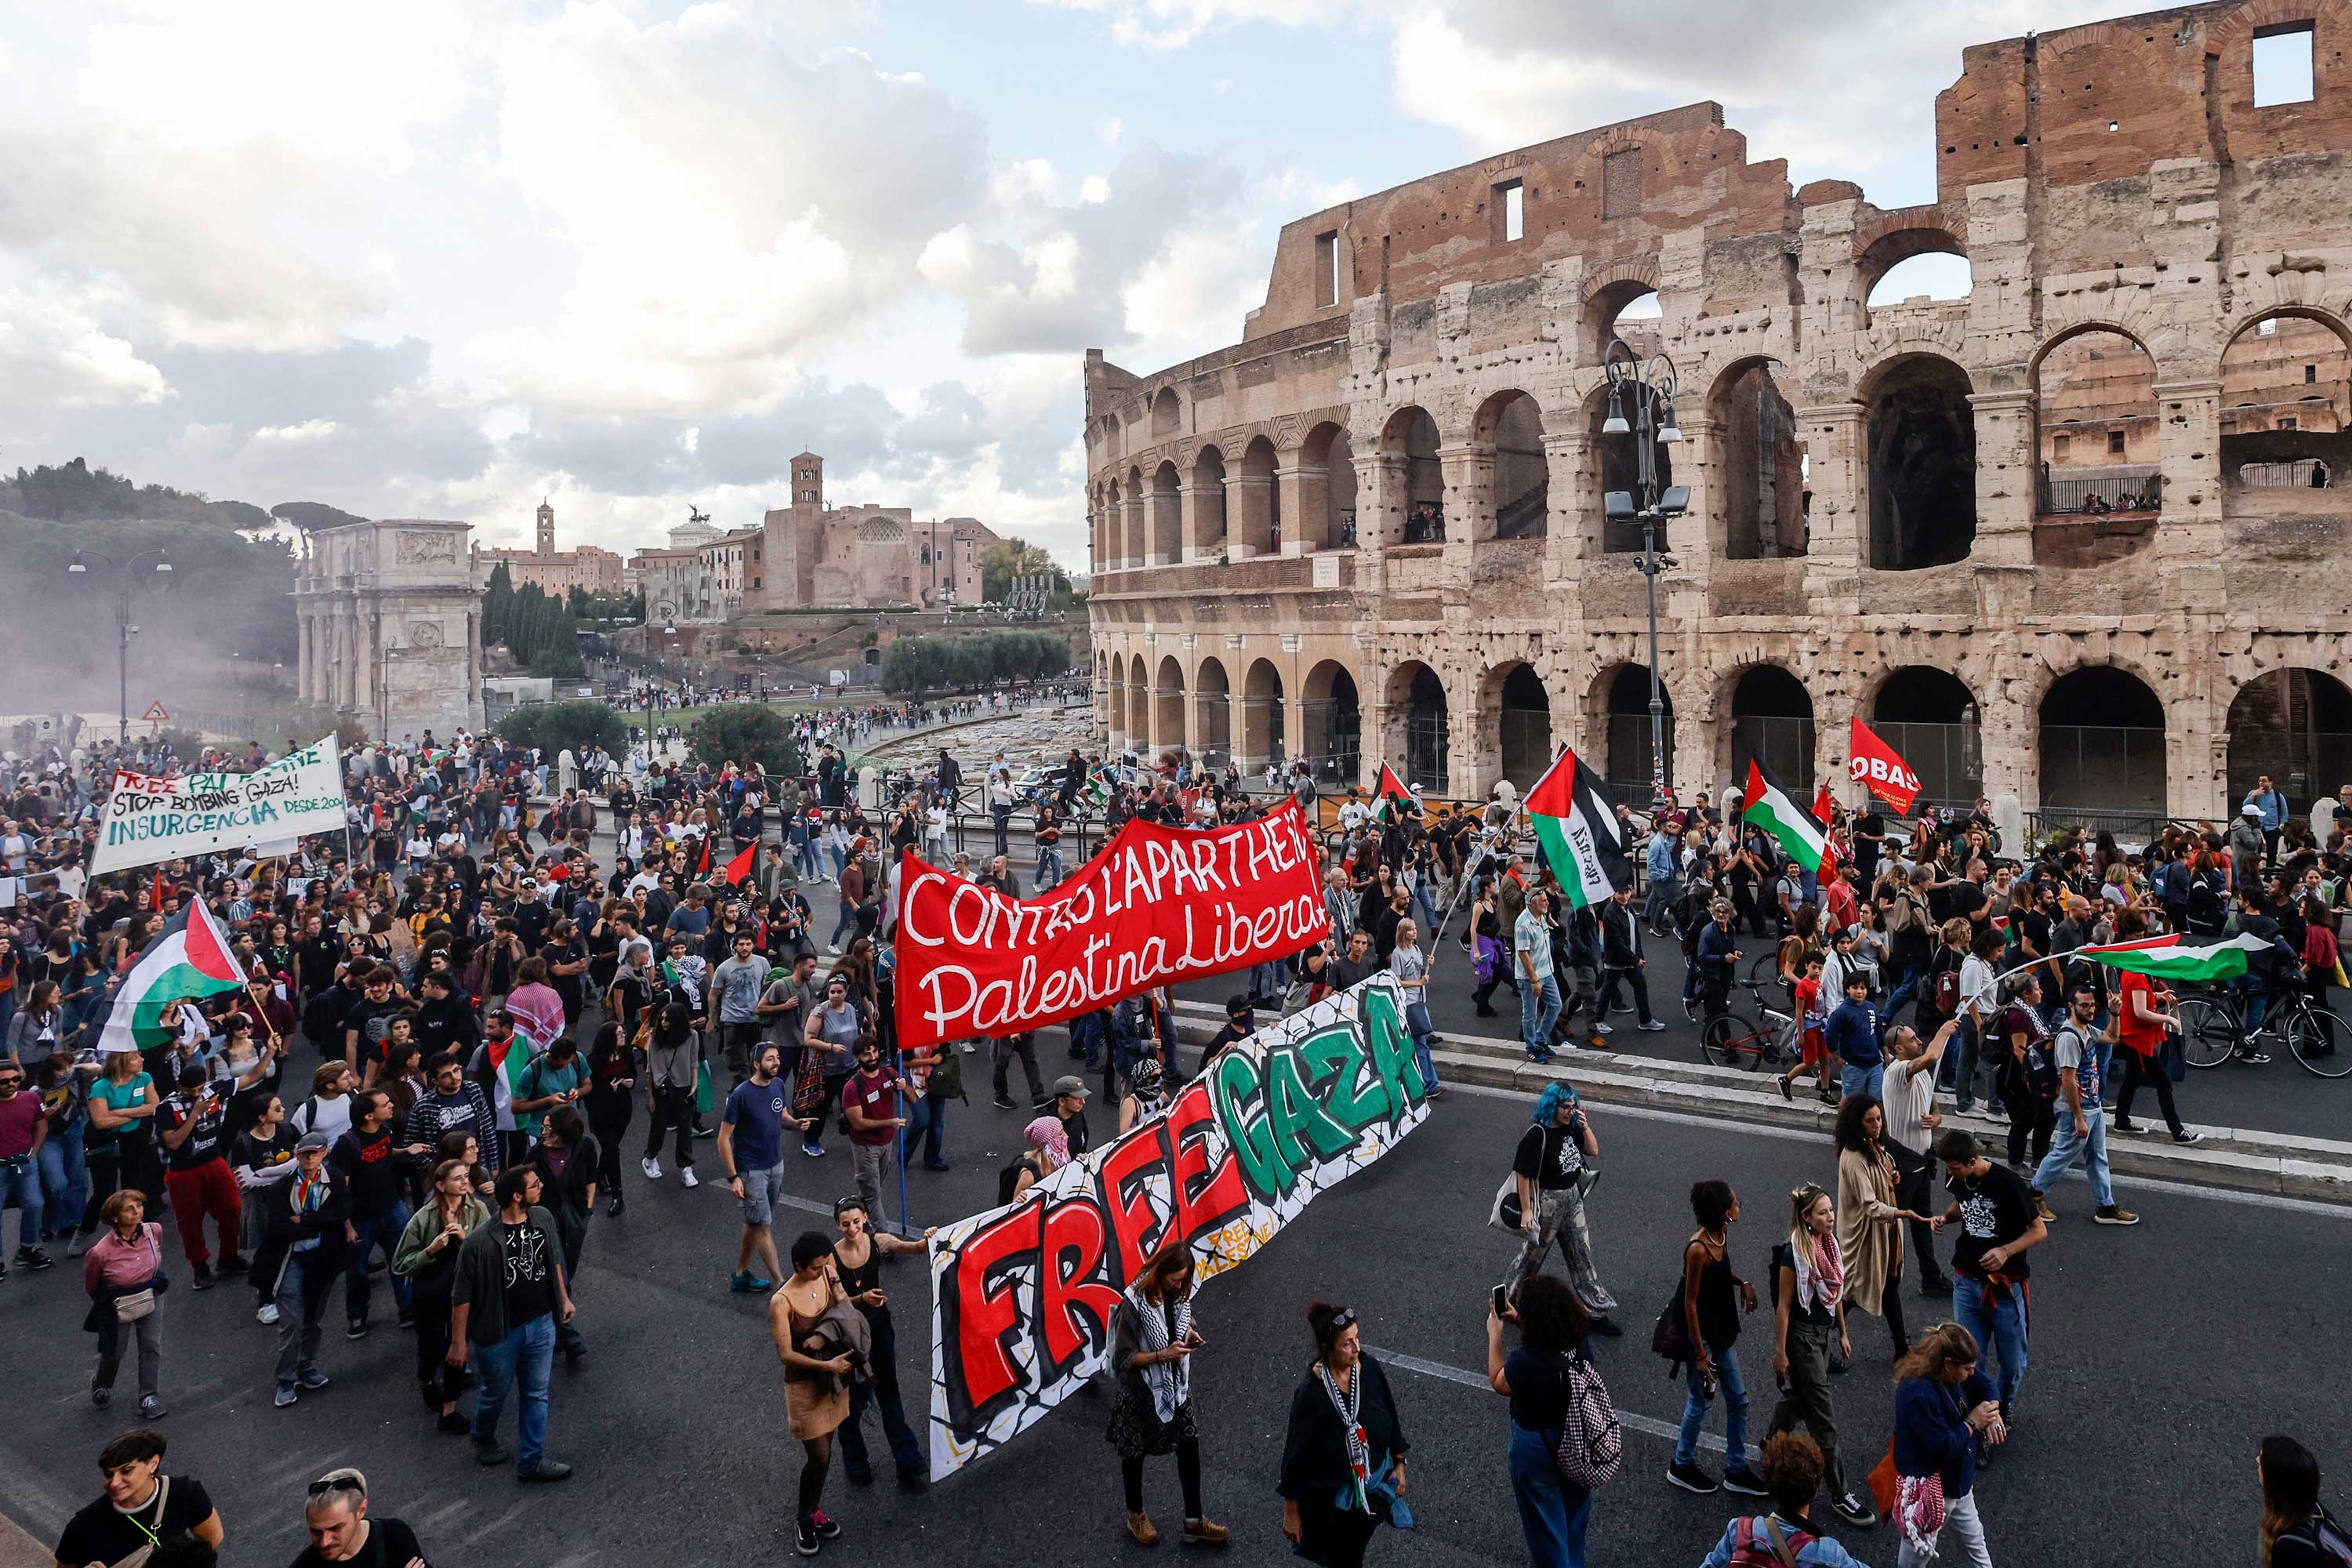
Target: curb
[(2282, 1164)]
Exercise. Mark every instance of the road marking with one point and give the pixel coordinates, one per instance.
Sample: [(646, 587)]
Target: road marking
[(1796, 1135), (1643, 1424)]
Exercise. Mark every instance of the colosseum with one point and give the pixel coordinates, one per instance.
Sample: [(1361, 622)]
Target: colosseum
[(2072, 537)]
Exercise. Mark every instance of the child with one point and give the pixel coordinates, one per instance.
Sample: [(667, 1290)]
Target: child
[(1810, 1018)]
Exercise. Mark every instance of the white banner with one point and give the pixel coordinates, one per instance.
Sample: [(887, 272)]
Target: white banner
[(149, 819), (1021, 1296)]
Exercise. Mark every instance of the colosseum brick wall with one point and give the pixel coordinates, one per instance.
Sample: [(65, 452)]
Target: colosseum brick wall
[(2074, 536)]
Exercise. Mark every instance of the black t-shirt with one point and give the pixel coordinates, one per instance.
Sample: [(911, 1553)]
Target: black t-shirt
[(104, 1533), (1538, 1391), (1799, 1311), (1548, 1155), (1967, 898), (207, 1140), (370, 1171), (254, 1154), (244, 1104), (389, 1544), (532, 920), (373, 1022), (1995, 1209), (530, 1272)]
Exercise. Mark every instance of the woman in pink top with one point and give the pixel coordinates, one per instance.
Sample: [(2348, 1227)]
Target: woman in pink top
[(536, 1005), (126, 1258)]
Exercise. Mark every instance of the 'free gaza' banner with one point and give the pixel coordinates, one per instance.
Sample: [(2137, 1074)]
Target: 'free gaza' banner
[(150, 819), (1021, 1296), (1157, 905)]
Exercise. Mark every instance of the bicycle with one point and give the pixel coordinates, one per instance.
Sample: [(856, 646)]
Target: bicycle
[(2315, 1036), (2209, 1028), (1730, 1039)]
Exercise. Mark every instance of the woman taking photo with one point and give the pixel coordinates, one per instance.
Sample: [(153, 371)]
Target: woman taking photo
[(123, 1272), (1809, 1333), (1343, 1456), (1869, 1217), (1411, 966), (1153, 1342), (2292, 1515), (1554, 1511), (1713, 1297), (816, 1376), (427, 1258), (1942, 1405)]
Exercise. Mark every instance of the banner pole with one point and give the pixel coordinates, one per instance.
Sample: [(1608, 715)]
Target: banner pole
[(1470, 870)]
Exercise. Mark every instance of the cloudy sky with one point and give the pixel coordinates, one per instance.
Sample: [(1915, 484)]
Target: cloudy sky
[(439, 258)]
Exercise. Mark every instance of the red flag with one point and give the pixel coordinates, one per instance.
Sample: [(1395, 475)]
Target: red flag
[(739, 869), (155, 900), (1879, 768)]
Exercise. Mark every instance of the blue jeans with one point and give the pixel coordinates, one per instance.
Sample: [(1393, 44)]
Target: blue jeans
[(1735, 1409), (524, 1356), (2093, 1146), (848, 922), (1004, 815), (1906, 986), (1552, 1514), (1661, 896), (926, 1120), (805, 852), (20, 1183), (1998, 1325), (840, 859), (65, 1175), (382, 1231), (1049, 866), (1539, 1011), (1862, 1078)]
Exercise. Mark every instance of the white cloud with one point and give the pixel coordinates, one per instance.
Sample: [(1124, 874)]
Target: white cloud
[(1165, 25), (54, 353), (308, 431), (1094, 189), (1107, 128)]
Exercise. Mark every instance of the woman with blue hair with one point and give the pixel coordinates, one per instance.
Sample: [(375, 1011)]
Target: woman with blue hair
[(1552, 1174)]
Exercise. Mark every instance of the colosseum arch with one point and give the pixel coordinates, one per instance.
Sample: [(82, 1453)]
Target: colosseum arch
[(1114, 536), (1208, 502), (1114, 681), (1213, 712), (2294, 724), (1618, 708), (1167, 516), (1138, 706), (2286, 407), (1606, 297), (2098, 434), (1884, 250), (1419, 744), (1921, 463), (1332, 722), (1254, 518), (1620, 462), (1411, 437), (1758, 463), (1515, 723), (1766, 715), (2100, 745), (1138, 522), (1261, 717), (1168, 707), (1930, 716), (1167, 416), (1510, 425), (1327, 488)]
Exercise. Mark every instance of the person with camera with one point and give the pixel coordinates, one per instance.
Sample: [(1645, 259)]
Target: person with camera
[(1152, 1343), (1548, 1177), (1554, 1512)]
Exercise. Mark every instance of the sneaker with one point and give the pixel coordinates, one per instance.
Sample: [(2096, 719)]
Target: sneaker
[(813, 1150), (454, 1424), (199, 1275), (1854, 1511), (1937, 1286), (407, 1317), (652, 1168), (1623, 1007), (233, 1263), (936, 1165), (152, 1408), (826, 1529), (2120, 1125), (1788, 1092), (266, 1314), (2254, 1059), (702, 1131), (78, 1244), (313, 1380), (2114, 1215), (543, 1470), (1541, 1056), (804, 1539), (1039, 1106), (685, 1177), (287, 1395), (1601, 1028), (1605, 1326), (489, 1452), (1691, 1479), (2186, 1137), (1003, 1102), (32, 1258), (614, 1208), (356, 1330), (1745, 1481), (2042, 1207), (1653, 1027), (100, 1395), (1140, 1526)]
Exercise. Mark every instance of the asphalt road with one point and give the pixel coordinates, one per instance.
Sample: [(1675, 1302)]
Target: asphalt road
[(2162, 1356)]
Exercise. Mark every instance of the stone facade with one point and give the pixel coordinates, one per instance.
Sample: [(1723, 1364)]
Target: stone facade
[(701, 582), (556, 572), (1373, 526), (391, 627), (863, 556)]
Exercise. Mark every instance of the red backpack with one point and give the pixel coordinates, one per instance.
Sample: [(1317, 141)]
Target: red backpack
[(1754, 1547)]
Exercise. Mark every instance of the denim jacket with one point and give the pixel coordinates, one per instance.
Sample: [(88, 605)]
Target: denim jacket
[(1818, 1553)]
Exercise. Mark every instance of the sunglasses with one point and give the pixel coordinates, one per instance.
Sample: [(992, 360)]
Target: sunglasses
[(336, 1484), (1345, 1319)]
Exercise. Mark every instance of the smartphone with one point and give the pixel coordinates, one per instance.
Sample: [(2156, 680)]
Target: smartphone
[(1501, 1298)]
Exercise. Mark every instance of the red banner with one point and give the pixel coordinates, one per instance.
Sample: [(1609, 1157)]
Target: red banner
[(1156, 906), (1877, 767)]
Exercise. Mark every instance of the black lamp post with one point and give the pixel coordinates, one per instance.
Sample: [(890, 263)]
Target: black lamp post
[(129, 570), (1642, 404)]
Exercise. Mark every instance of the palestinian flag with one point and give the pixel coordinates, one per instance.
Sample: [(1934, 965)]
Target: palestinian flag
[(1770, 808), (1576, 823), (1390, 799), (509, 1061), (189, 957), (702, 864), (2173, 958), (1825, 813), (1101, 784)]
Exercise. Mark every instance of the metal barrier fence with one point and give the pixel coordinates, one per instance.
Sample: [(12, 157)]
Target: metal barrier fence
[(2140, 491), (2101, 769)]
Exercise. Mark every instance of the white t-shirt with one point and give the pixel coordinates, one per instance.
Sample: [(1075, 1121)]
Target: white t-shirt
[(1977, 984), (1910, 1095)]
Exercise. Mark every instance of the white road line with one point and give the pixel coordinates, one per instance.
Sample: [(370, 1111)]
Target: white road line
[(1796, 1135), (1643, 1424)]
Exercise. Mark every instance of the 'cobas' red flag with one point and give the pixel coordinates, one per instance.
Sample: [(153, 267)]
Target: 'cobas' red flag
[(1879, 768)]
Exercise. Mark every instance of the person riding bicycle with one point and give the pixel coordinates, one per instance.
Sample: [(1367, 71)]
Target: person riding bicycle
[(1716, 960), (2266, 977)]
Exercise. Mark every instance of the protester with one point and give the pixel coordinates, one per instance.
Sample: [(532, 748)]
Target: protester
[(507, 1296), (427, 1259), (123, 1272), (1944, 1408), (1869, 1216), (1152, 1344), (1712, 1299), (1785, 1537), (1343, 1456), (869, 1101), (820, 1356), (752, 1152), (1993, 1282), (335, 1514), (303, 1248), (856, 1261), (1554, 1511), (1549, 1172), (2297, 1530), (139, 1506), (2082, 1126), (1809, 1335)]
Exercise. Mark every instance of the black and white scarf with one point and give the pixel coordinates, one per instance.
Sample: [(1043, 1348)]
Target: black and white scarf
[(1171, 1382), (1360, 1447)]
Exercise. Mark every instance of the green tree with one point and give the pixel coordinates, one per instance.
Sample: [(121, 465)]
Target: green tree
[(554, 727), (743, 733), (1000, 563)]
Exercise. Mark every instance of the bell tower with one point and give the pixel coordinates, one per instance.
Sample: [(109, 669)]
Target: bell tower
[(546, 528), (808, 480)]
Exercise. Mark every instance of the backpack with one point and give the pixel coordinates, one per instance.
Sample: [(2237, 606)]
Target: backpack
[(1768, 1546), (1947, 990), (946, 1081), (1591, 1440)]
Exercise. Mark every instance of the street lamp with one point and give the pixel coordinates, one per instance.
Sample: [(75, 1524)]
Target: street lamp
[(1642, 404), (79, 567)]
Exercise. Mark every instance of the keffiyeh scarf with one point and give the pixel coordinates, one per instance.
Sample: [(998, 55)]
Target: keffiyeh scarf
[(1171, 1382)]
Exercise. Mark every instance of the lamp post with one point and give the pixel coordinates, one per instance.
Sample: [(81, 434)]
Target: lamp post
[(1642, 404), (129, 570)]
